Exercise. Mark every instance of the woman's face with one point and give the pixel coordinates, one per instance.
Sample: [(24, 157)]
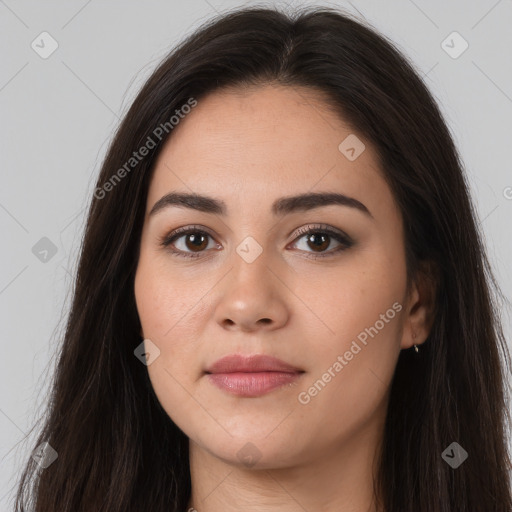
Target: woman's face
[(249, 280)]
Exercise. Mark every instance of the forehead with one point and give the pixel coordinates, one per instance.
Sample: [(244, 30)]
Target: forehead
[(250, 145)]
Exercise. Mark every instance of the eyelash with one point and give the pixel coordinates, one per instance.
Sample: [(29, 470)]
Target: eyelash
[(345, 241)]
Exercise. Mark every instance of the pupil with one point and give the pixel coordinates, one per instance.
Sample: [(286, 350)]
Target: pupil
[(197, 240), (322, 244)]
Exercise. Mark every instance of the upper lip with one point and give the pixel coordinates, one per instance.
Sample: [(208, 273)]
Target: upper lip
[(250, 364)]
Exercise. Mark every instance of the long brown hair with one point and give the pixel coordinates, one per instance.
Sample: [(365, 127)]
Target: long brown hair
[(117, 448)]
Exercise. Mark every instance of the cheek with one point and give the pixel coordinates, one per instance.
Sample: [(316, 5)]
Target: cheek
[(352, 366), (167, 315), (353, 296), (172, 311), (165, 300), (358, 337)]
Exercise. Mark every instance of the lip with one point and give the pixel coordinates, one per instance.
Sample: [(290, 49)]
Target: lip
[(251, 376), (251, 364)]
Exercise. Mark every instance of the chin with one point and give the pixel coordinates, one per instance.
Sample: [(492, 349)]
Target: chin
[(250, 452)]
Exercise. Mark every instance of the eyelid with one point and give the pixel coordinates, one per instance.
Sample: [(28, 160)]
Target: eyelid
[(323, 228)]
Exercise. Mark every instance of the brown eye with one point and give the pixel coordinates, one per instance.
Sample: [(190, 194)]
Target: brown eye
[(188, 242), (196, 242), (318, 240)]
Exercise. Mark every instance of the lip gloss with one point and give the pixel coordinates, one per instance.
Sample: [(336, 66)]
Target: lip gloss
[(252, 384)]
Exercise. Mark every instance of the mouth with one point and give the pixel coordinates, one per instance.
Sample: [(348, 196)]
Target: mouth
[(251, 376)]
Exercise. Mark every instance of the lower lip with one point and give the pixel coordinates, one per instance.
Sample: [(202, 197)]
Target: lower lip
[(252, 384)]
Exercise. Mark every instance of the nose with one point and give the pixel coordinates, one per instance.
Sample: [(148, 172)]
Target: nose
[(253, 297)]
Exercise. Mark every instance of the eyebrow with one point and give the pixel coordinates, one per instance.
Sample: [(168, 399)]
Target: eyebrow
[(282, 206)]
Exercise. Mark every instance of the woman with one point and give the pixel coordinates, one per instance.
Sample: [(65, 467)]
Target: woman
[(283, 301)]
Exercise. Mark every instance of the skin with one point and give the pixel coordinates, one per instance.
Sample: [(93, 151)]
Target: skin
[(248, 148)]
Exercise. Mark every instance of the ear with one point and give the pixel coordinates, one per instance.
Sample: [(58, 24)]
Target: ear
[(420, 307)]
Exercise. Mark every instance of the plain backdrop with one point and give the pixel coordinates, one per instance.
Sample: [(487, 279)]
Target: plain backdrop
[(59, 112)]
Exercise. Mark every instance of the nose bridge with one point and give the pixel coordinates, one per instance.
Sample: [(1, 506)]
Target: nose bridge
[(250, 267)]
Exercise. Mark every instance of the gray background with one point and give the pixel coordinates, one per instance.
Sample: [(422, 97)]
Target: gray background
[(57, 115)]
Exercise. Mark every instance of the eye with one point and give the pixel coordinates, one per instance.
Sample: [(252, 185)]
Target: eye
[(194, 241), (320, 238)]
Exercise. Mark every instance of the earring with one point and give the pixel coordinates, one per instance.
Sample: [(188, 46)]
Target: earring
[(415, 346)]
